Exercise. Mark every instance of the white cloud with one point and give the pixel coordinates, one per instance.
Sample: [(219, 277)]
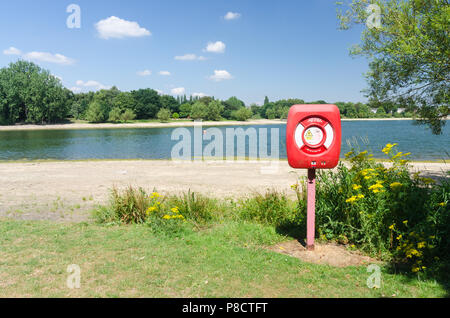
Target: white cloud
[(41, 56), (220, 75), (190, 57), (178, 91), (164, 73), (114, 27), (49, 58), (215, 47), (58, 77), (160, 92), (75, 89), (12, 51), (144, 73), (200, 95), (232, 16), (92, 84)]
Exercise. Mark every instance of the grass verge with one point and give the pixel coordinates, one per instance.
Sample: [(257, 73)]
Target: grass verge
[(225, 260)]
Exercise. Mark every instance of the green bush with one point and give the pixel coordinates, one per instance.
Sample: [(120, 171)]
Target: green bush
[(196, 207), (129, 206), (185, 110), (214, 109), (127, 115), (242, 114), (199, 111), (385, 211), (115, 115), (272, 208), (135, 206), (94, 113), (176, 116), (164, 115)]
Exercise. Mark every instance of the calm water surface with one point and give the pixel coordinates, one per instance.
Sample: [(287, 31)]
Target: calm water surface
[(156, 143)]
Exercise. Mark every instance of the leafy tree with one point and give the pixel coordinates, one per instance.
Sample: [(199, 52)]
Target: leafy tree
[(409, 54), (124, 100), (205, 100), (215, 108), (147, 103), (169, 102), (256, 110), (127, 115), (242, 114), (164, 115), (381, 112), (230, 105), (95, 113), (266, 100), (31, 94), (199, 111), (104, 101), (80, 104), (283, 112), (185, 110), (115, 115), (271, 113)]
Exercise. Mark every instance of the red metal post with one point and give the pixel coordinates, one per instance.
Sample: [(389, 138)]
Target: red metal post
[(311, 211)]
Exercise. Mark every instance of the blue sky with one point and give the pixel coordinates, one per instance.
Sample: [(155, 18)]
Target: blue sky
[(282, 49)]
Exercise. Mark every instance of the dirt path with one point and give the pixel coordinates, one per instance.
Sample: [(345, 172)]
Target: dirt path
[(67, 191)]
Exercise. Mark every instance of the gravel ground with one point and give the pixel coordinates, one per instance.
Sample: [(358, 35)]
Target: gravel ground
[(68, 190)]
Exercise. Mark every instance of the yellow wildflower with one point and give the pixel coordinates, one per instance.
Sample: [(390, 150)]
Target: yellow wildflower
[(151, 209), (376, 187), (398, 155), (395, 185), (351, 200), (155, 195), (416, 253), (356, 187), (443, 204), (392, 227), (421, 245), (388, 148)]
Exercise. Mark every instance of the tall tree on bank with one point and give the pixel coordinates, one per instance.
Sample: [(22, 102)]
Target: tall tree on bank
[(407, 43), (31, 94)]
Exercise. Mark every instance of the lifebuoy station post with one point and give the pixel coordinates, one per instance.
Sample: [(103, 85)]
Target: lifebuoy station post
[(313, 141)]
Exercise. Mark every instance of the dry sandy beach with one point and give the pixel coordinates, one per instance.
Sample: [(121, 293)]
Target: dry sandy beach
[(68, 190), (163, 125)]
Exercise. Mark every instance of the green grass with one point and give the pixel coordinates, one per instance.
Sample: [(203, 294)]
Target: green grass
[(223, 260)]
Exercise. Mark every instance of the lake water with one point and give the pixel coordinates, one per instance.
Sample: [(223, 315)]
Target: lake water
[(156, 143)]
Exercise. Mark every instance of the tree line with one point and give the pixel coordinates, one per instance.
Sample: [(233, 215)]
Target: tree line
[(30, 94)]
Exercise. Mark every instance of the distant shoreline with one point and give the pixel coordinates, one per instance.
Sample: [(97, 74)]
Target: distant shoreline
[(74, 126)]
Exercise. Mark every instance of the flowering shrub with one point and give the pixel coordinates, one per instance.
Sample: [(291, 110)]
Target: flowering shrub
[(136, 206), (386, 211)]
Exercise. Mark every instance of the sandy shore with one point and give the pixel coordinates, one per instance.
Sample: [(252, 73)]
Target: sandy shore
[(164, 125), (141, 125), (67, 191)]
